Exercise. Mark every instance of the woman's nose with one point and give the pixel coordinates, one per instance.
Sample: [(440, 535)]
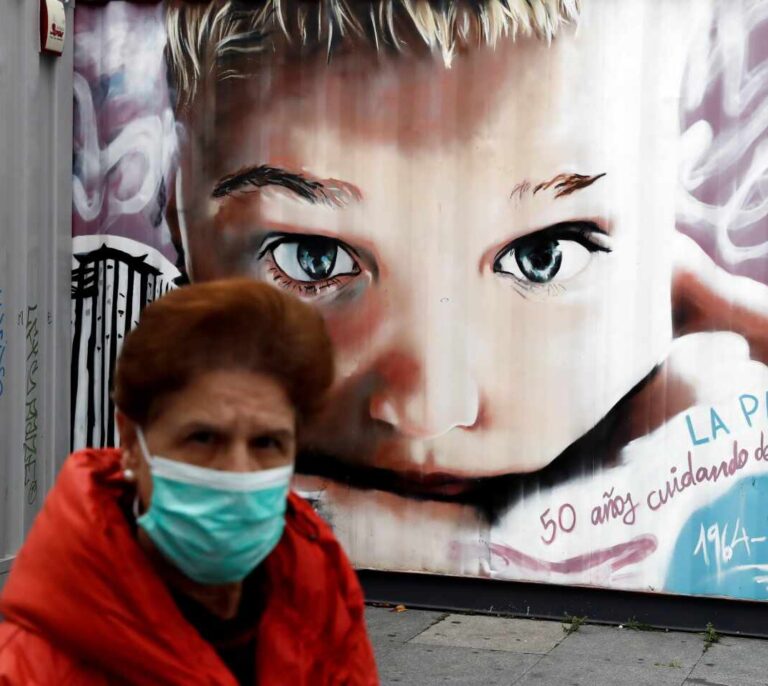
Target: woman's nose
[(239, 458)]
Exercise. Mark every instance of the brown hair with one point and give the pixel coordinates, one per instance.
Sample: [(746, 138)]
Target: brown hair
[(230, 324)]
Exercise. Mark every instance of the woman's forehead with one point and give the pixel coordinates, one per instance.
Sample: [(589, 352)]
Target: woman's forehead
[(227, 395)]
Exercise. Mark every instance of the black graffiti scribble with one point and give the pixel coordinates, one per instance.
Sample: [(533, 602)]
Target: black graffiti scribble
[(110, 287)]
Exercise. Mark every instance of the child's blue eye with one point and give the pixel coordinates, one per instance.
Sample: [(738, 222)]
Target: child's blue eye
[(552, 255), (539, 261), (313, 258)]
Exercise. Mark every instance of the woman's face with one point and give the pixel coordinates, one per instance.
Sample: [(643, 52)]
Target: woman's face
[(234, 421), (486, 243)]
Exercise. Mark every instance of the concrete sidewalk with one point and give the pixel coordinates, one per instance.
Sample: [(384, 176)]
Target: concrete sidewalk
[(419, 648)]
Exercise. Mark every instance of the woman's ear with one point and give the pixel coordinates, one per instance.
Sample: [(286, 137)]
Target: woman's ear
[(129, 442), (705, 297)]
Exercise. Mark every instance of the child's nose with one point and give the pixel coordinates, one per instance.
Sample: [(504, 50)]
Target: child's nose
[(425, 398), (427, 367)]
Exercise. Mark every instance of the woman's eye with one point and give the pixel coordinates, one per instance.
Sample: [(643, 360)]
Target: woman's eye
[(313, 258), (543, 259), (266, 443), (202, 437)]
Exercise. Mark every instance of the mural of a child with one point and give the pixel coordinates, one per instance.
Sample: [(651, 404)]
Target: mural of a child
[(482, 198)]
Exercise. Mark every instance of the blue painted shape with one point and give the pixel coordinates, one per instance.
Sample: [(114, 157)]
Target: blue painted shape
[(722, 547)]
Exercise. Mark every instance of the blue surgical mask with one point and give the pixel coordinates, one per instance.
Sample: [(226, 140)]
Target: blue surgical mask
[(214, 526)]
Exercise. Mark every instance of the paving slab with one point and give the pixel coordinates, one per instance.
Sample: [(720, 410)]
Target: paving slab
[(384, 624), (417, 648), (585, 670), (493, 633), (414, 664), (628, 647), (732, 662)]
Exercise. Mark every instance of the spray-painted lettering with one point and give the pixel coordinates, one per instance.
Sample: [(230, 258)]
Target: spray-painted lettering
[(565, 522), (659, 497), (31, 420), (615, 507), (750, 411), (714, 546)]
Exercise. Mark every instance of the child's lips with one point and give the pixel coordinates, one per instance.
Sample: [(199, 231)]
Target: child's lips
[(416, 468), (434, 483)]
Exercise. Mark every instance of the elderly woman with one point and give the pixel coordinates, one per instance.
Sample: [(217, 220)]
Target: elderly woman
[(182, 557)]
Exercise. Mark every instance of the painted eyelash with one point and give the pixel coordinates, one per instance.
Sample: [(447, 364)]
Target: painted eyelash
[(308, 288), (270, 242), (580, 231), (525, 288), (585, 237), (273, 240)]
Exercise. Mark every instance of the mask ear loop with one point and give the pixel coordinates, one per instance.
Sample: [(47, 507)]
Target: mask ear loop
[(143, 444), (145, 452)]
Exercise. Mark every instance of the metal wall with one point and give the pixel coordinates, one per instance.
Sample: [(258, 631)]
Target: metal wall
[(35, 262), (565, 389)]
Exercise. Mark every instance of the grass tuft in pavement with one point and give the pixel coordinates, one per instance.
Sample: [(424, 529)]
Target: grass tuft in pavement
[(573, 624), (710, 636)]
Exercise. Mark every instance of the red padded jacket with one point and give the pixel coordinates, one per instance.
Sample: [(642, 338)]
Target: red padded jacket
[(83, 606)]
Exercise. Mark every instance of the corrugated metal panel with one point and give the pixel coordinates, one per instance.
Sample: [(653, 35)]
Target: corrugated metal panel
[(35, 256), (513, 401)]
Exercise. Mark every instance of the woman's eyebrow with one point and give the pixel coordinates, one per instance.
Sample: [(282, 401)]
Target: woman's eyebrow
[(281, 435), (281, 432), (561, 185), (332, 192), (195, 425)]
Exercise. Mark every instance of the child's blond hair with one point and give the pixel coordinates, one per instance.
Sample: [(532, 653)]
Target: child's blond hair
[(215, 39)]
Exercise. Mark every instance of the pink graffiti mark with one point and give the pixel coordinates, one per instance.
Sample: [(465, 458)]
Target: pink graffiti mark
[(619, 556)]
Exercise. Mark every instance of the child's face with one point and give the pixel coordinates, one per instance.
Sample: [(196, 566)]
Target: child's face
[(481, 328)]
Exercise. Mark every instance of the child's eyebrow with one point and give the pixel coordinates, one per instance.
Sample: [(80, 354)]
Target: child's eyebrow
[(326, 191), (562, 184)]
